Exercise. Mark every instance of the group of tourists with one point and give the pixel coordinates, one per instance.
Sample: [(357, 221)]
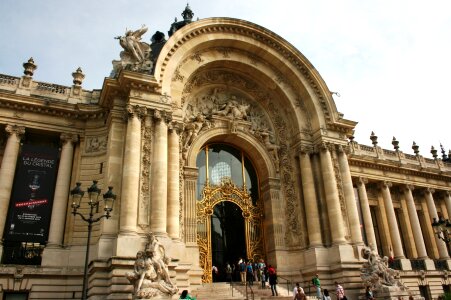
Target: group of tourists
[(299, 294)]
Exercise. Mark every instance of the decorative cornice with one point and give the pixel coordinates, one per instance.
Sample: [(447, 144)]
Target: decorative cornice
[(397, 168)]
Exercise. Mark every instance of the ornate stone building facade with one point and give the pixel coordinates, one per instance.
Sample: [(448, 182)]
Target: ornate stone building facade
[(225, 122)]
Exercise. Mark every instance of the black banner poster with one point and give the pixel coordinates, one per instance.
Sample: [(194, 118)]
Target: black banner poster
[(31, 202)]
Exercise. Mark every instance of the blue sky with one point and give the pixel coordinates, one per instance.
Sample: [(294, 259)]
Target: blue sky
[(389, 60)]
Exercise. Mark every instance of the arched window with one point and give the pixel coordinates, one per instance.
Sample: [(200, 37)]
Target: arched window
[(219, 161)]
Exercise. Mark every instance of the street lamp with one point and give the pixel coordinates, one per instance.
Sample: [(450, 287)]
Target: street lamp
[(442, 228), (93, 192)]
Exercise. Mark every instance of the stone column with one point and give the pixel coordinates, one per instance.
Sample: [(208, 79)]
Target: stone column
[(332, 198), (348, 190), (62, 188), (415, 222), (131, 171), (366, 213), (158, 214), (311, 207), (448, 202), (173, 226), (443, 252), (7, 172), (391, 217)]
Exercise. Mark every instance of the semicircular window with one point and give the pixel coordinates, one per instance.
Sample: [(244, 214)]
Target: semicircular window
[(218, 162)]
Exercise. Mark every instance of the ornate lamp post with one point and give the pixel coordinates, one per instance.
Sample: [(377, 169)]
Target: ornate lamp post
[(93, 192), (442, 228)]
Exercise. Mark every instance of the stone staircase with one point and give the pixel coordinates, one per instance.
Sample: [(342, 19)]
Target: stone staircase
[(223, 291)]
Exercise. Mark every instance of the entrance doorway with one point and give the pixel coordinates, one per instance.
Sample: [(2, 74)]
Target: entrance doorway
[(228, 241)]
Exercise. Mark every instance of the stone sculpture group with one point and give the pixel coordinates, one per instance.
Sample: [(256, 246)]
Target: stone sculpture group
[(150, 276)]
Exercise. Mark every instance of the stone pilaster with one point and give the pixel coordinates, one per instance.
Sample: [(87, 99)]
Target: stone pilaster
[(311, 207), (332, 197), (366, 213), (348, 190), (7, 172), (62, 188), (441, 246), (415, 222), (189, 209), (173, 225), (391, 218), (159, 211)]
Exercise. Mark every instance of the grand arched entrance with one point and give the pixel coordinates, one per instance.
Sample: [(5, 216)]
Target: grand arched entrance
[(229, 211)]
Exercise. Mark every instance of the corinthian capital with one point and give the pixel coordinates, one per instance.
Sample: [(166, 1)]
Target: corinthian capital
[(68, 138), (429, 190), (135, 111), (386, 184), (14, 129)]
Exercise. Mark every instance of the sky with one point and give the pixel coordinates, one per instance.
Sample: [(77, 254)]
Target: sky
[(388, 60)]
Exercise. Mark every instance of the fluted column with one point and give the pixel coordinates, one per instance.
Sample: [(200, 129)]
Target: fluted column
[(415, 222), (366, 213), (442, 251), (173, 184), (448, 202), (311, 207), (332, 198), (348, 190), (158, 214), (8, 170), (62, 188), (391, 217), (131, 170)]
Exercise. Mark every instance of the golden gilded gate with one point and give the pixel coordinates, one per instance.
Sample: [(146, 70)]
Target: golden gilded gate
[(253, 220)]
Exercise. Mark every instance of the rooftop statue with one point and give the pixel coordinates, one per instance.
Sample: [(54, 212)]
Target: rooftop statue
[(136, 54), (150, 276)]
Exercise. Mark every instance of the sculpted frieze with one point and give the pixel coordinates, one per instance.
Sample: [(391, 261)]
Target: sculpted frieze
[(96, 144)]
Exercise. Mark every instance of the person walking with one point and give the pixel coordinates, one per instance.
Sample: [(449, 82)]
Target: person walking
[(250, 273), (228, 270), (339, 291), (273, 280), (242, 266), (297, 289), (326, 295), (187, 296), (300, 294), (317, 284), (369, 293)]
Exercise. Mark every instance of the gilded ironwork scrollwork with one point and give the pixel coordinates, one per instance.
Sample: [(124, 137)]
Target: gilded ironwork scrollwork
[(252, 214)]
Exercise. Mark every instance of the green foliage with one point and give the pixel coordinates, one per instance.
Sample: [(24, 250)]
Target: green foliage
[(447, 296)]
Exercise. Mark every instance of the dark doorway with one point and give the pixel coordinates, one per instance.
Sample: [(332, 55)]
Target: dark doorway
[(228, 241)]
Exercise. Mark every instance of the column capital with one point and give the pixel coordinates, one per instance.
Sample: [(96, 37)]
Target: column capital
[(362, 180), (409, 187), (342, 149), (175, 126), (161, 115), (448, 193), (429, 190), (68, 138), (326, 146), (385, 184), (305, 150), (14, 129), (135, 111)]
